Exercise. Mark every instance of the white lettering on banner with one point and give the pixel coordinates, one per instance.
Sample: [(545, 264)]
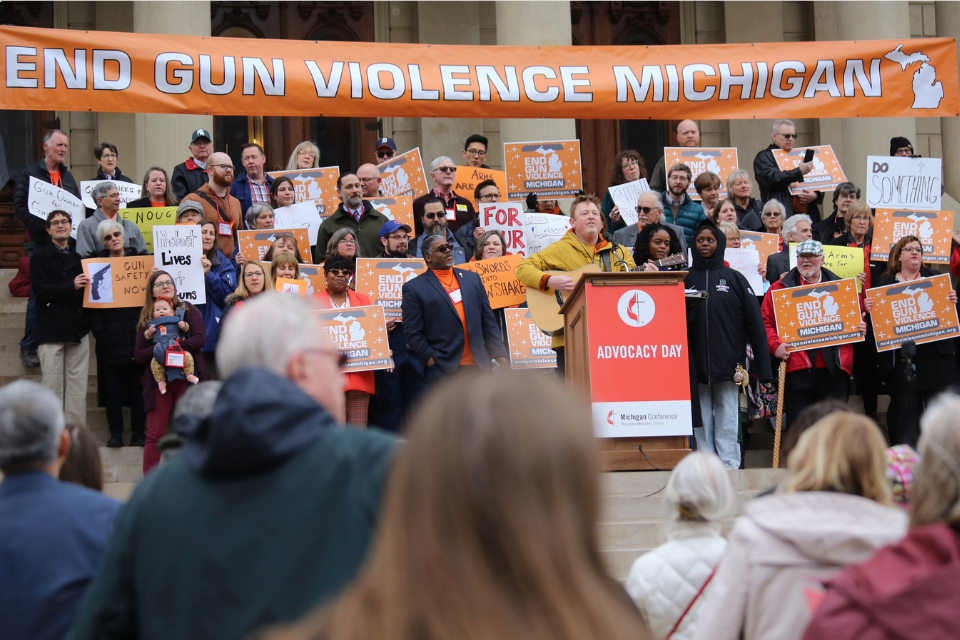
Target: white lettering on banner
[(177, 250), (45, 197), (910, 183), (633, 351)]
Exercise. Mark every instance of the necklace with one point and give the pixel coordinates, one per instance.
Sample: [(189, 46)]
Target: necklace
[(904, 278)]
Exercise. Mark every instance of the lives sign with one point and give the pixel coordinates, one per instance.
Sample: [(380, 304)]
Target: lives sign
[(818, 315), (383, 278), (917, 311), (361, 333)]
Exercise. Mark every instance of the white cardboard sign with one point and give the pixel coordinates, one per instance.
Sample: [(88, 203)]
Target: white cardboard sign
[(177, 250), (625, 197), (128, 192), (509, 219), (45, 197), (747, 262), (543, 229), (904, 183), (302, 215)]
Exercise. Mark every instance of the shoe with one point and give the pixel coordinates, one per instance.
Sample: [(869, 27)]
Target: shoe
[(114, 442), (138, 440), (29, 358)]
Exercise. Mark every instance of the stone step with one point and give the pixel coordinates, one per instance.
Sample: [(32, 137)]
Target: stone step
[(122, 465), (6, 275)]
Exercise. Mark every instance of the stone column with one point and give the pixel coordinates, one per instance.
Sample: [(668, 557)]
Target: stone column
[(948, 26), (163, 139)]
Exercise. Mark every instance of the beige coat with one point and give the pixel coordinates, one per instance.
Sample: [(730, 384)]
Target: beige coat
[(780, 552)]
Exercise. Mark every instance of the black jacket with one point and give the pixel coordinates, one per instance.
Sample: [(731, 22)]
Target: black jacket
[(749, 219), (143, 203), (60, 313), (719, 327), (118, 176), (21, 195), (187, 178), (115, 330), (775, 183), (777, 264)]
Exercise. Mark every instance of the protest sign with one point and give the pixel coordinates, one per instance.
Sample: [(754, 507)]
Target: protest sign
[(128, 192), (302, 215), (147, 218), (765, 243), (45, 197), (507, 218), (291, 287), (312, 274), (403, 175), (318, 186), (500, 280), (747, 262), (818, 315), (826, 174), (917, 311), (844, 262), (933, 228), (545, 168), (543, 229), (625, 197), (383, 278), (116, 282), (399, 208), (467, 179), (177, 250), (907, 183), (529, 346), (255, 244), (361, 333), (719, 160)]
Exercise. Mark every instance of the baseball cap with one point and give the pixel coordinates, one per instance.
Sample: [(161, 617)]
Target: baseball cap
[(189, 205), (392, 225), (200, 133), (386, 142), (810, 247)]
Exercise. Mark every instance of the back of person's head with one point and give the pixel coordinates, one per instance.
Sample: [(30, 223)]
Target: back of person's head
[(699, 488), (843, 452), (935, 494), (197, 403), (489, 525), (83, 465), (901, 466), (806, 419), (31, 421)]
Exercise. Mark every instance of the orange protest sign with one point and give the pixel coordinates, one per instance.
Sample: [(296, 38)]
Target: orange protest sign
[(467, 179), (545, 168), (818, 315), (399, 208), (160, 73), (719, 160), (361, 333), (917, 311), (255, 244), (316, 185), (116, 282), (933, 228), (765, 243), (403, 175), (826, 174), (312, 274), (500, 280), (383, 278), (292, 287), (529, 346)]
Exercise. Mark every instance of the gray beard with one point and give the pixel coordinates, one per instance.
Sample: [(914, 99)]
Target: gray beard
[(355, 203)]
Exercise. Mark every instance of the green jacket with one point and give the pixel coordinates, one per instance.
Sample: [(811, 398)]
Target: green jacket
[(367, 232)]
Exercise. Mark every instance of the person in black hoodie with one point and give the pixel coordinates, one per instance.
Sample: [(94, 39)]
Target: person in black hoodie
[(719, 330)]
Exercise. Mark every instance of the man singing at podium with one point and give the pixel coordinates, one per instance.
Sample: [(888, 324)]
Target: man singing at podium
[(584, 244)]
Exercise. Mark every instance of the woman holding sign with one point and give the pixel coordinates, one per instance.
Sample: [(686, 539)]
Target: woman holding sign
[(627, 167), (220, 280), (916, 372)]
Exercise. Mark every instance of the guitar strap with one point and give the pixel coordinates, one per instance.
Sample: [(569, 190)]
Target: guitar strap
[(605, 259)]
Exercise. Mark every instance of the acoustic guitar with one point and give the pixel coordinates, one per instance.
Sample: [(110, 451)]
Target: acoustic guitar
[(545, 305)]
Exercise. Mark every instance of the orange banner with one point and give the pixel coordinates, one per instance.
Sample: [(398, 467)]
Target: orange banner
[(292, 287), (315, 185), (313, 275), (826, 174), (917, 311), (545, 168), (469, 177), (81, 70), (933, 228), (399, 208), (361, 333), (403, 175), (529, 346), (383, 278), (116, 282), (719, 160), (500, 280), (818, 315), (254, 244)]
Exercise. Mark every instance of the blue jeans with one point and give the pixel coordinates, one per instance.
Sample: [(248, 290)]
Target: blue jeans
[(720, 407)]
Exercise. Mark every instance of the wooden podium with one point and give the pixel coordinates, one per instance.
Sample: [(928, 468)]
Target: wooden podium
[(588, 337)]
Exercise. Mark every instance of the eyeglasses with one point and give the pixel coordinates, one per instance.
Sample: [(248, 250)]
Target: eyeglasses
[(225, 167), (385, 154), (339, 272), (307, 153), (647, 210), (341, 357), (446, 169), (403, 237), (61, 222), (347, 241), (911, 250), (258, 274), (115, 234), (369, 179), (104, 156), (788, 135), (475, 152), (433, 216), (809, 256), (490, 197), (162, 283), (442, 248), (629, 162), (771, 214)]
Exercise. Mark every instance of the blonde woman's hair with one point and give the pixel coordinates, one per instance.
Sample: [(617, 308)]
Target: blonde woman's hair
[(935, 493), (856, 208), (292, 162), (286, 260), (699, 488), (842, 452), (242, 290), (729, 230)]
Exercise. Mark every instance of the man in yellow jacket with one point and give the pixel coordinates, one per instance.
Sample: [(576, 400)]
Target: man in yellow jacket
[(582, 245)]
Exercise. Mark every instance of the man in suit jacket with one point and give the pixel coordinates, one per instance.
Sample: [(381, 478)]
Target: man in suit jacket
[(447, 316), (651, 211), (796, 228)]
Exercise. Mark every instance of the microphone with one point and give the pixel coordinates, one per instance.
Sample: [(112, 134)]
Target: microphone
[(613, 248)]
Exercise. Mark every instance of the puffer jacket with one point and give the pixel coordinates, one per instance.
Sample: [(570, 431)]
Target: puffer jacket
[(664, 582), (37, 227), (689, 215), (220, 283), (780, 553), (748, 218)]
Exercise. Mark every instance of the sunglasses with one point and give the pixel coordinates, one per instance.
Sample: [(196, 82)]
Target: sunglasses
[(433, 216), (442, 248), (385, 154), (115, 234), (792, 136), (772, 214), (646, 210), (339, 272), (445, 169)]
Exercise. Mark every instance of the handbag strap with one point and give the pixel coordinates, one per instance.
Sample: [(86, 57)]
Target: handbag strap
[(690, 606)]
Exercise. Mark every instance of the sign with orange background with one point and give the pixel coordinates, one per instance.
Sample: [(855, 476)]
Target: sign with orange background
[(159, 73), (361, 333), (500, 280), (403, 175), (315, 185), (399, 208), (818, 315), (529, 346), (917, 311), (116, 282), (467, 179), (719, 160), (549, 168), (765, 243), (383, 278), (291, 287), (826, 174), (934, 229), (255, 244), (313, 275)]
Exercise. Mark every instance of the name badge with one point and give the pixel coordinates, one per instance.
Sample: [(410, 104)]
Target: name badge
[(175, 359), (451, 214), (226, 229), (163, 330), (461, 207), (456, 296)]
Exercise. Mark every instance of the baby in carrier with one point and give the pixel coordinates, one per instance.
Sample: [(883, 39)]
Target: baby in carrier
[(170, 361)]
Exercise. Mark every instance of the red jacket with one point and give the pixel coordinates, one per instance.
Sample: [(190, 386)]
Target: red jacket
[(20, 285), (907, 590), (955, 260), (361, 380)]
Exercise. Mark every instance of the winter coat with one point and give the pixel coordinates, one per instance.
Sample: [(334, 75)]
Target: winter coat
[(60, 313), (266, 514), (689, 215), (835, 359), (240, 189), (905, 591), (219, 210), (463, 211), (663, 582), (780, 551), (777, 263), (220, 283), (749, 218), (117, 176), (115, 330), (143, 353), (720, 327), (828, 229), (606, 206), (187, 177), (37, 227), (89, 244), (366, 232), (775, 184), (460, 254), (569, 254), (144, 203)]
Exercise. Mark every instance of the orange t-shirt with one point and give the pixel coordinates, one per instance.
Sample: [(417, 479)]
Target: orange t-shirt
[(157, 204), (449, 281), (55, 179)]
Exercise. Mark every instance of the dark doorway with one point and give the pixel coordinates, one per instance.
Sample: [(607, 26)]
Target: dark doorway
[(338, 142)]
